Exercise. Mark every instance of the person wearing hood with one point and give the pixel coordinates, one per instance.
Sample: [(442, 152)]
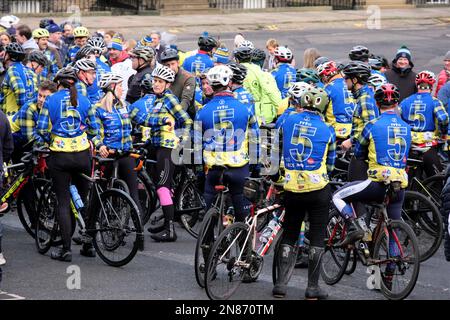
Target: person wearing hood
[(401, 73), (25, 39)]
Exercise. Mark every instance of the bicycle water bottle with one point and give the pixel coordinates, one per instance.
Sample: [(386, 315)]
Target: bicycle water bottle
[(76, 197), (301, 238), (268, 230)]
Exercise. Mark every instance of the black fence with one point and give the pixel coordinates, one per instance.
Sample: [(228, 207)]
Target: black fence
[(429, 2), (261, 4)]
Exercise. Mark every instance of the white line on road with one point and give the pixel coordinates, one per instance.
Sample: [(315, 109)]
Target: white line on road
[(10, 296)]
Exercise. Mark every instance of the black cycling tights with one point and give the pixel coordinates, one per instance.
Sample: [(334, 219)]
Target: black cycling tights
[(317, 205), (431, 162), (64, 168)]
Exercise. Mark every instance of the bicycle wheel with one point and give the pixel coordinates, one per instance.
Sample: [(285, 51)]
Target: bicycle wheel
[(275, 266), (189, 205), (147, 196), (118, 231), (226, 262), (424, 218), (433, 188), (121, 185), (335, 259), (401, 261), (208, 233), (352, 262)]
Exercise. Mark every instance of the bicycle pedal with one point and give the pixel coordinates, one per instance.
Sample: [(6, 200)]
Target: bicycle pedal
[(85, 238)]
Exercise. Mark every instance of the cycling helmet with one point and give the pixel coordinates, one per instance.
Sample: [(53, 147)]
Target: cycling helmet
[(108, 79), (97, 43), (44, 23), (247, 44), (145, 53), (85, 65), (15, 51), (426, 77), (239, 72), (296, 91), (387, 95), (376, 62), (243, 54), (80, 32), (307, 75), (67, 73), (357, 70), (207, 43), (315, 99), (359, 53), (147, 83), (40, 33), (376, 80), (258, 55), (219, 75), (169, 54), (283, 54), (164, 73), (327, 70), (84, 52), (319, 61), (39, 58)]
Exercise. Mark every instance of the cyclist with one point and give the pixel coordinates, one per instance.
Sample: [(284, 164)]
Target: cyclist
[(37, 62), (261, 85), (163, 141), (376, 80), (340, 110), (98, 45), (197, 63), (20, 84), (73, 123), (309, 76), (284, 73), (86, 70), (295, 94), (81, 35), (225, 127), (41, 36), (378, 66), (422, 112), (240, 93), (308, 151), (141, 61), (359, 53), (385, 142)]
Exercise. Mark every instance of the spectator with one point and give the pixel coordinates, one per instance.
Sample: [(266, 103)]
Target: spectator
[(5, 38), (444, 75), (55, 42), (401, 74), (309, 56), (142, 59), (271, 45), (67, 34), (121, 64), (24, 37), (221, 56), (157, 45), (109, 36)]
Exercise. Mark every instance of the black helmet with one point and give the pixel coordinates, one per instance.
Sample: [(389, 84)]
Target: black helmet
[(147, 83), (84, 52), (359, 53), (38, 57), (169, 54), (67, 73), (319, 61), (207, 43), (239, 72), (243, 54), (44, 23), (258, 55), (358, 70), (15, 51)]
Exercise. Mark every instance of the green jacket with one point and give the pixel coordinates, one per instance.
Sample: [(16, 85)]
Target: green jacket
[(263, 87)]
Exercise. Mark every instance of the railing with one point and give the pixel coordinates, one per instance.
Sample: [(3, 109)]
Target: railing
[(428, 2), (262, 4)]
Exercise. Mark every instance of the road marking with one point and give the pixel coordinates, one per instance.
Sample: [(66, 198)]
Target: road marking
[(10, 296), (174, 30), (272, 27)]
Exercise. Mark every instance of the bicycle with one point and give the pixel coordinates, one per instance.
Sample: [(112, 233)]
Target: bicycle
[(116, 221), (375, 250)]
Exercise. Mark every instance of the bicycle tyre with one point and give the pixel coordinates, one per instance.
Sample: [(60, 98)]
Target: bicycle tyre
[(132, 215), (147, 196), (121, 185), (189, 216), (276, 249), (351, 266), (414, 260), (434, 186), (418, 218), (232, 235)]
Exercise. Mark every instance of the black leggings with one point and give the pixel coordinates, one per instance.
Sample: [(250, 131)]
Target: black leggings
[(317, 204), (357, 171), (431, 161), (64, 168)]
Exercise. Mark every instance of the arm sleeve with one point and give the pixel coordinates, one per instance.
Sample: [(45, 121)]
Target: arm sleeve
[(187, 95), (42, 127), (8, 143), (331, 157), (18, 87), (442, 116), (94, 126), (362, 144)]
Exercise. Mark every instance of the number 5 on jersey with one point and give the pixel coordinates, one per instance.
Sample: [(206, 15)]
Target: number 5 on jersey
[(70, 117), (300, 138)]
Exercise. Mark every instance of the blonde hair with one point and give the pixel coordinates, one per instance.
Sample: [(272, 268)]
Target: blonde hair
[(310, 55), (107, 102), (130, 44), (271, 43)]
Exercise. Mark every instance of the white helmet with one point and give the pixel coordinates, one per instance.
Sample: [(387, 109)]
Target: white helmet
[(283, 54), (164, 73), (85, 65), (108, 79), (219, 75), (297, 89), (247, 44), (376, 80)]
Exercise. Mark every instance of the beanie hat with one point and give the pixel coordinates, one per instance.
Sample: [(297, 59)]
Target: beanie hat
[(115, 44), (403, 52), (221, 56), (447, 56), (145, 41), (52, 28), (238, 39)]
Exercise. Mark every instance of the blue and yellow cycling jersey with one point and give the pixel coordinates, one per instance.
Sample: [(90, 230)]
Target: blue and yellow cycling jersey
[(115, 127), (198, 63), (23, 123), (71, 127), (366, 110), (340, 110), (140, 110), (92, 92), (167, 106), (284, 76), (281, 119), (50, 71), (421, 111), (102, 68), (71, 53), (309, 151), (18, 87), (228, 132), (245, 97), (385, 142)]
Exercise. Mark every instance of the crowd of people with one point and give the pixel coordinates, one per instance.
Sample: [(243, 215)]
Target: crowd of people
[(72, 90)]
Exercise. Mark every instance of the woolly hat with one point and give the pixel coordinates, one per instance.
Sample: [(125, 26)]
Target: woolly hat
[(115, 44), (53, 28), (403, 52), (221, 56)]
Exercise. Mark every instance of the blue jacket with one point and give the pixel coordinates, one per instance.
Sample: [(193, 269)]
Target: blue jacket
[(284, 76)]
